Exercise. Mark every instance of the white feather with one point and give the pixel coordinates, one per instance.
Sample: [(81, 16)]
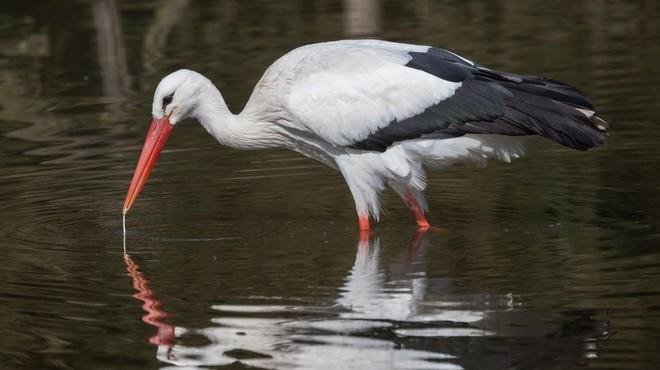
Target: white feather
[(400, 166), (587, 112), (343, 91), (476, 148)]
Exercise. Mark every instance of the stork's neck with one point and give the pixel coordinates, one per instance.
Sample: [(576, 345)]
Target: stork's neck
[(241, 131)]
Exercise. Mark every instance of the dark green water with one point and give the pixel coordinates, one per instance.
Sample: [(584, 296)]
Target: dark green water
[(251, 259)]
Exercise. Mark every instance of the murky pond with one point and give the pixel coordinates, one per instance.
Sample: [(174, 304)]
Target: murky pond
[(252, 260)]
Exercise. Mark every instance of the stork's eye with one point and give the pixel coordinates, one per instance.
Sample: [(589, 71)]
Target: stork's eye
[(167, 100)]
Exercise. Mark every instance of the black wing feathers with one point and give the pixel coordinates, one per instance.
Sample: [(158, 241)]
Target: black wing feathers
[(491, 102)]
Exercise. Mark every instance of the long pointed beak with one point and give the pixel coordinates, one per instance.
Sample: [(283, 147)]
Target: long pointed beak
[(157, 135)]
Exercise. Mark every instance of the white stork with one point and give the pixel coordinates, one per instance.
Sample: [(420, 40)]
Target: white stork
[(380, 113)]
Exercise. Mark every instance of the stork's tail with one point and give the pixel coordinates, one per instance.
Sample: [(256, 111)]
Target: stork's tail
[(552, 109)]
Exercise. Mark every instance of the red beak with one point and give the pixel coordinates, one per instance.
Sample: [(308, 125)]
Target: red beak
[(157, 135)]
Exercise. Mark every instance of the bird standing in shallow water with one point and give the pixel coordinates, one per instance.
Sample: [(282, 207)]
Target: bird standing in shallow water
[(380, 113)]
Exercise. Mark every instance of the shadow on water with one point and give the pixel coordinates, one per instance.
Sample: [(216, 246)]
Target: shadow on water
[(396, 317)]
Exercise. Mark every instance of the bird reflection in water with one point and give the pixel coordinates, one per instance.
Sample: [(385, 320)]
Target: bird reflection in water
[(371, 293), (307, 340), (154, 316), (427, 320)]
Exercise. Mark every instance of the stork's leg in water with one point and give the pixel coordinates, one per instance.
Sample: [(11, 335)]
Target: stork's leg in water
[(363, 223), (415, 201), (365, 229), (417, 210), (364, 190)]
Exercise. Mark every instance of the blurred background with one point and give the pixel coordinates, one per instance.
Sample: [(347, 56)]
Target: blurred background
[(251, 260)]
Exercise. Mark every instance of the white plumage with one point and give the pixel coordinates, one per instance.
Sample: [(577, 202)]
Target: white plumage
[(380, 112), (345, 92)]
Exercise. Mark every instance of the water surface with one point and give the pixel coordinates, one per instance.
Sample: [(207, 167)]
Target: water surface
[(251, 259)]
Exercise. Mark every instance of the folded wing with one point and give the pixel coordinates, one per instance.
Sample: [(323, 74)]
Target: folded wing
[(370, 95)]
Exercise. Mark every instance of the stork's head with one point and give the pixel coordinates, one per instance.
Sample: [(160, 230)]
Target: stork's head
[(177, 95), (176, 98)]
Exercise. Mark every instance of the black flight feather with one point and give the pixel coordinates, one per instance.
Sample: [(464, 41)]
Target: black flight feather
[(492, 102)]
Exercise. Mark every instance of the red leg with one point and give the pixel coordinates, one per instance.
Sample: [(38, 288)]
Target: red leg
[(418, 213), (365, 229), (363, 223)]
